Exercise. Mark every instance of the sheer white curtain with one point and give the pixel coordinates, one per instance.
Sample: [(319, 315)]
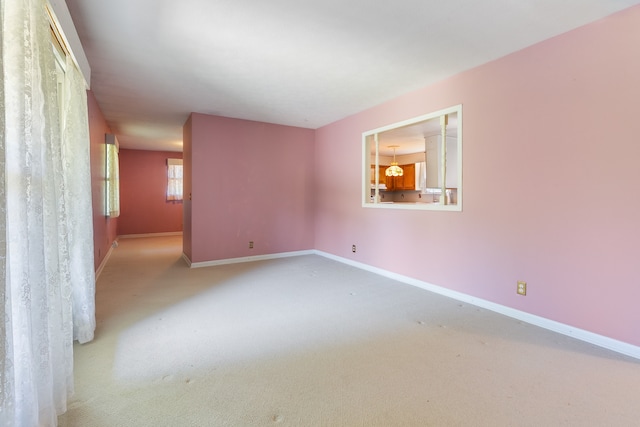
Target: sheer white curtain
[(46, 258), (77, 192), (174, 179)]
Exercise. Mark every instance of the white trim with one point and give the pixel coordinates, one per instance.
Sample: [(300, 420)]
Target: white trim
[(376, 203), (67, 30), (422, 118), (106, 258), (416, 206), (135, 236), (186, 259), (561, 328), (246, 259)]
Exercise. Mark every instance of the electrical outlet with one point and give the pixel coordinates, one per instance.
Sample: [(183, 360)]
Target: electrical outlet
[(522, 288), (353, 248), (251, 245)]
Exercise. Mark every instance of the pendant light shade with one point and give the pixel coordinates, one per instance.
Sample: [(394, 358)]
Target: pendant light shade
[(394, 169)]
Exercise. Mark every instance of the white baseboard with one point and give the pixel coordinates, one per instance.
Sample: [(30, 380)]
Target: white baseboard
[(186, 259), (580, 334), (106, 258), (561, 328), (134, 236), (246, 259)]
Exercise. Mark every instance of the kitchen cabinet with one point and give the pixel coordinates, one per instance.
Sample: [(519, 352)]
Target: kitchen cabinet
[(381, 178), (405, 182)]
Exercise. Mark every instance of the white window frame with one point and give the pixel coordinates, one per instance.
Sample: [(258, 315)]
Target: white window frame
[(175, 183), (373, 194), (112, 177)]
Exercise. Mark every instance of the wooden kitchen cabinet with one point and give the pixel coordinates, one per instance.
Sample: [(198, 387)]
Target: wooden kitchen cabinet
[(405, 182), (382, 177)]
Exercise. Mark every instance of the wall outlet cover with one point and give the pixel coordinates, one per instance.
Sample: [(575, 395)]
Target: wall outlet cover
[(522, 288)]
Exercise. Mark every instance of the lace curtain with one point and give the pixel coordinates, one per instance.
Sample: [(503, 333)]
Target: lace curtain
[(76, 164), (46, 258), (174, 179), (112, 180)]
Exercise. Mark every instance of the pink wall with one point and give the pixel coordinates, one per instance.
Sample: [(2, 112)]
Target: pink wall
[(143, 187), (104, 229), (251, 181), (551, 177), (187, 188)]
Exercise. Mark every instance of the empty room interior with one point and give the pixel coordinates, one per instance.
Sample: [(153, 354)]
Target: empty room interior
[(334, 214)]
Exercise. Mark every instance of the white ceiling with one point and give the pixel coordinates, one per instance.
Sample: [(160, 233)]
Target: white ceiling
[(303, 63), (410, 139)]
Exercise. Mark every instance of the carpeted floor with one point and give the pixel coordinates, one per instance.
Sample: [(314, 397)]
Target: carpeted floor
[(307, 341)]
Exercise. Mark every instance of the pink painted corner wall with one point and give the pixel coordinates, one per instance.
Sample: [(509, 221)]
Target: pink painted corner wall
[(104, 229), (251, 181), (550, 166), (143, 187), (187, 188)]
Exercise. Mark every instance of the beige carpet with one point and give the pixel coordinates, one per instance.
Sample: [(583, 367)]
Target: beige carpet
[(307, 341)]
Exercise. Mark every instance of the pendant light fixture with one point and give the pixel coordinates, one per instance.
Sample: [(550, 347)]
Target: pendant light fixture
[(394, 169)]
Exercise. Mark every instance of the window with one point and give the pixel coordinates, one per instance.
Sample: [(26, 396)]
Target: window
[(112, 177), (415, 164), (60, 54), (174, 179)]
